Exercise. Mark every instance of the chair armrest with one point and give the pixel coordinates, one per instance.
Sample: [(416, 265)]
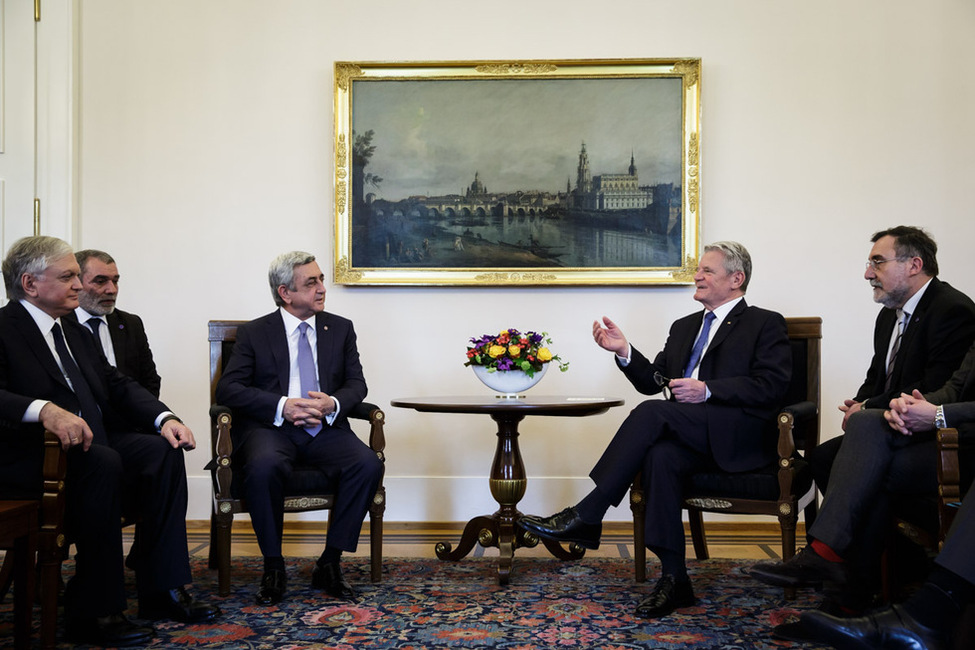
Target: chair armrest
[(801, 410), (222, 447), (376, 418), (51, 516), (949, 479)]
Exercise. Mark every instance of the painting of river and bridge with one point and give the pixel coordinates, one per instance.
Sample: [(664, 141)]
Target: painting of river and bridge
[(527, 173)]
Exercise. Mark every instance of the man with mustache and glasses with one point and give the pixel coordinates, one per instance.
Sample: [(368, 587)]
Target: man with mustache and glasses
[(920, 338)]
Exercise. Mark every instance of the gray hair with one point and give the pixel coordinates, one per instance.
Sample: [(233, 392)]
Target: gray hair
[(88, 253), (736, 258), (31, 255), (282, 272)]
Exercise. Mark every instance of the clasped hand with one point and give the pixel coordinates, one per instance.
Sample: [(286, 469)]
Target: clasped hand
[(911, 413), (308, 411)]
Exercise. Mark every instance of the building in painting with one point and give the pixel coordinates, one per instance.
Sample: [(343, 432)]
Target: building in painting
[(608, 191)]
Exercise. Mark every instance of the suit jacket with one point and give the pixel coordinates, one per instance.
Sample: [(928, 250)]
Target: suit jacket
[(958, 397), (132, 354), (258, 372), (747, 368), (941, 330), (28, 371)]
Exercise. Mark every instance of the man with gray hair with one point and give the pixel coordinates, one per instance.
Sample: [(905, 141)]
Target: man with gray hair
[(53, 378), (120, 334), (293, 376), (727, 369)]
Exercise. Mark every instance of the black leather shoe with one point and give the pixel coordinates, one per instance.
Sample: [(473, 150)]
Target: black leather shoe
[(565, 526), (669, 594), (273, 585), (113, 630), (890, 628), (804, 569), (796, 631), (178, 605), (329, 577)]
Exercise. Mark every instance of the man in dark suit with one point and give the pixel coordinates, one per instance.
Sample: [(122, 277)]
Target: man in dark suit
[(121, 335), (50, 372), (934, 322), (291, 379), (886, 454), (928, 617), (920, 338), (726, 382)]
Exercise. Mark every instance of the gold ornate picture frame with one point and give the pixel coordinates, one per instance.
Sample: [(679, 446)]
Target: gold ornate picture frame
[(488, 173)]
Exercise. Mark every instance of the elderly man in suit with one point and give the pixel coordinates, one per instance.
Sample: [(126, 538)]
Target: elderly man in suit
[(121, 335), (52, 377), (727, 369), (291, 379)]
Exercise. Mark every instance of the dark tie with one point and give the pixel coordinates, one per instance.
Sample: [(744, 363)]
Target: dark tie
[(89, 407), (699, 344), (306, 370), (901, 326), (93, 323)]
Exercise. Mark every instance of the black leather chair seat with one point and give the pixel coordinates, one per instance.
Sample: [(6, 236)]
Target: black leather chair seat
[(761, 485)]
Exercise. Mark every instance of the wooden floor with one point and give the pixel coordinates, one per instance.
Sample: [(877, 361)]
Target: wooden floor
[(301, 539)]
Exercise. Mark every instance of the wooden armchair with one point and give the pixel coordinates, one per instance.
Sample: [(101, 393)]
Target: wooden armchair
[(50, 539), (307, 489), (780, 490)]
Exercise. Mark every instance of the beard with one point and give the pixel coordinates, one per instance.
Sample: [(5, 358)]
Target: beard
[(92, 306), (892, 299)]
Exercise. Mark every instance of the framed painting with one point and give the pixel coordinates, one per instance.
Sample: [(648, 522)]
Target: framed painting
[(488, 173)]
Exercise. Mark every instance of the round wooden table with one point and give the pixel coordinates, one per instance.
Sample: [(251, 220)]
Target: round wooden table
[(507, 479)]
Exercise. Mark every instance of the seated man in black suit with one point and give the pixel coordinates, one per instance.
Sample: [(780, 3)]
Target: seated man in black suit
[(926, 620), (885, 454), (52, 377), (121, 335), (292, 377), (728, 380)]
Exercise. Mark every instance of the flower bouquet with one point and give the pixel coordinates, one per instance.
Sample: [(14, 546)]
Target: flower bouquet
[(513, 350)]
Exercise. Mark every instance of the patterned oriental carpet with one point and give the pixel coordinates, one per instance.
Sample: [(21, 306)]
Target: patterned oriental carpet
[(427, 603)]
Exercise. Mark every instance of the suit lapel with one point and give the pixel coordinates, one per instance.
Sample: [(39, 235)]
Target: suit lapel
[(324, 345), (36, 343), (116, 332), (277, 339), (725, 327)]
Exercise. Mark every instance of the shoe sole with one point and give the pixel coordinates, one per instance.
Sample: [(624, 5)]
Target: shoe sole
[(661, 614)]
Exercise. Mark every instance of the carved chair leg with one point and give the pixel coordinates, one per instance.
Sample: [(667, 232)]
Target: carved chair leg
[(376, 511), (220, 544), (639, 539), (696, 520)]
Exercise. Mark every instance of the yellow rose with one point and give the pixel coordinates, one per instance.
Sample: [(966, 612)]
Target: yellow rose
[(514, 351), (544, 354), (496, 351)]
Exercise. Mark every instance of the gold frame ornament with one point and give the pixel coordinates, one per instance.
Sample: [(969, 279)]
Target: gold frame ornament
[(506, 173)]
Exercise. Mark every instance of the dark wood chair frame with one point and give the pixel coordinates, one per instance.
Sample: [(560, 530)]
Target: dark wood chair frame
[(50, 539), (222, 336), (798, 429)]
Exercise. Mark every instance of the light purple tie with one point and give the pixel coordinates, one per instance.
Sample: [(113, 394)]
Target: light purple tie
[(308, 378)]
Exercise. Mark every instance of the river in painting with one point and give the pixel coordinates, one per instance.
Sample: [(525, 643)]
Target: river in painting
[(589, 240)]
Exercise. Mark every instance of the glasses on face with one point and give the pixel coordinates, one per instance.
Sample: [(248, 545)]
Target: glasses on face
[(876, 263), (662, 382)]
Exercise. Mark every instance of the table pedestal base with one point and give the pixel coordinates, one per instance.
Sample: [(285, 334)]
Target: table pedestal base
[(501, 530)]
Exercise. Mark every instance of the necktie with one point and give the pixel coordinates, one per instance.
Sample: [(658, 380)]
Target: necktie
[(90, 412), (308, 378), (93, 323), (699, 344), (904, 317)]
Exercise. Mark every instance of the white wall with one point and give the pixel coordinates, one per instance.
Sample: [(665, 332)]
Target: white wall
[(205, 148)]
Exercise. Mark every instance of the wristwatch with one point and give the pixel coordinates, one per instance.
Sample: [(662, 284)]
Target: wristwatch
[(939, 418)]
